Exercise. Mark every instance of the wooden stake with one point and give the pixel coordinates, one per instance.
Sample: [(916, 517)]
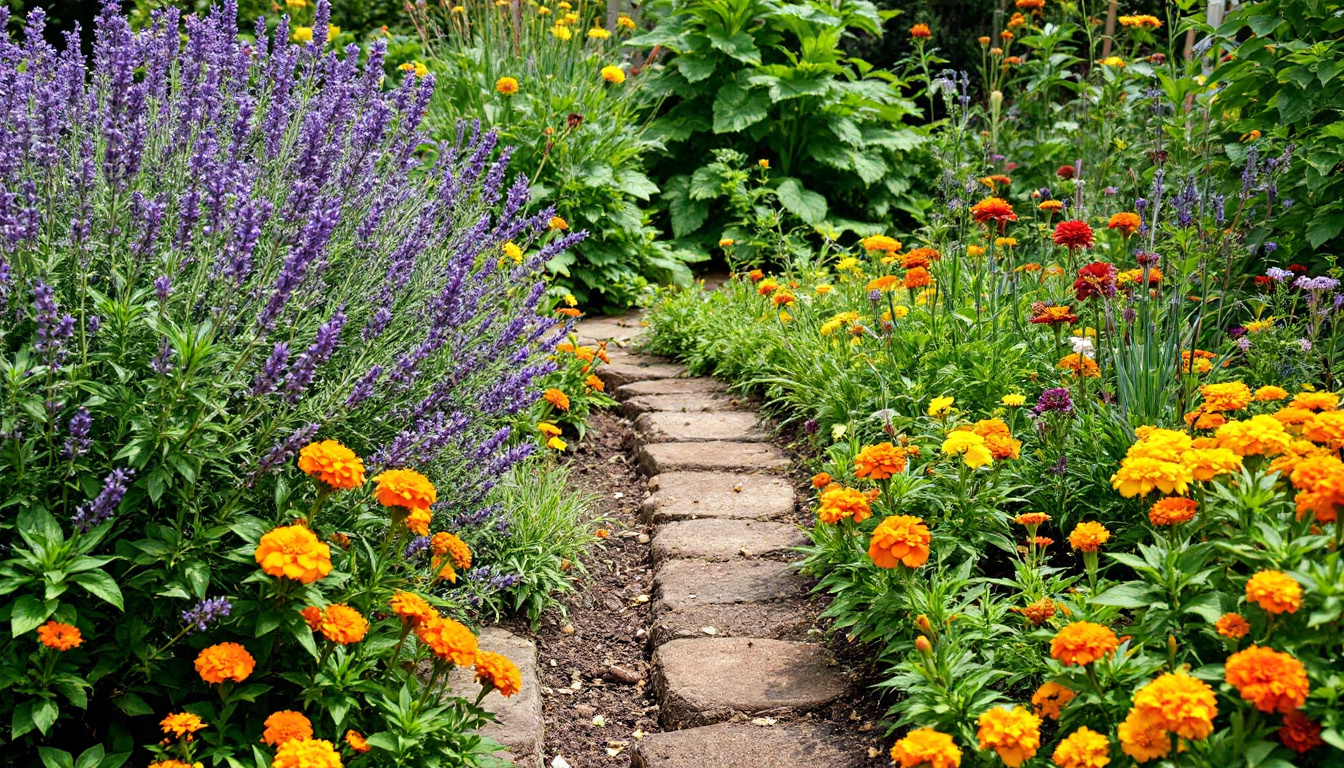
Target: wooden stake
[(1109, 37)]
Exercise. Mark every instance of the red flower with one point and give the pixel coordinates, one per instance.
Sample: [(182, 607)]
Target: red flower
[(1065, 171), (1073, 234), (1297, 269), (1264, 281), (1095, 279), (993, 209)]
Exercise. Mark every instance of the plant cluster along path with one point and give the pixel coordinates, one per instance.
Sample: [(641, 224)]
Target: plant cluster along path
[(731, 668)]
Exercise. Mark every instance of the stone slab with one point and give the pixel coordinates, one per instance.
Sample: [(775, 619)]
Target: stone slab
[(714, 456), (519, 725), (719, 539), (621, 371), (620, 330), (679, 403), (710, 680), (739, 426), (695, 386), (779, 620), (690, 495), (735, 745), (681, 584)]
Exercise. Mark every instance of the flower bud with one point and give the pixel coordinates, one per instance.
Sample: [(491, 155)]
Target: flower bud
[(923, 645)]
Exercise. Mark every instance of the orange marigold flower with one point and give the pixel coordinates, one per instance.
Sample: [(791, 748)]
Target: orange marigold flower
[(1320, 478), (884, 283), (569, 312), (1142, 737), (1299, 733), (1082, 643), (900, 540), (1274, 591), (1080, 364), (1084, 748), (1273, 681), (926, 748), (918, 277), (333, 464), (419, 519), (181, 724), (1270, 394), (343, 625), (1180, 704), (293, 552), (821, 480), (405, 488), (1315, 401), (594, 383), (1227, 396), (1260, 435), (448, 640), (357, 741), (1073, 234), (1052, 314), (1038, 612), (445, 543), (881, 243), (1232, 626), (838, 502), (498, 672), (58, 636), (920, 30), (556, 398), (224, 661), (312, 615), (920, 257), (879, 462), (507, 85), (285, 725), (412, 608), (1172, 510), (1032, 518), (1088, 536), (1015, 734), (171, 764), (1051, 206), (307, 753), (1126, 223), (1050, 698), (1031, 5), (755, 275), (993, 209)]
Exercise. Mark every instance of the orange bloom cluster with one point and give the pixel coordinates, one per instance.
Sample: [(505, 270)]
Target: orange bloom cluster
[(884, 283), (998, 439), (412, 608), (1273, 681), (58, 636), (333, 464), (284, 726), (293, 552), (1226, 396), (448, 640), (307, 753), (1073, 234), (993, 209), (1320, 484), (1039, 611), (1082, 643), (920, 31), (1088, 536), (1259, 435), (556, 398), (926, 748), (1050, 698), (1172, 510), (1315, 401), (1052, 314), (342, 624), (1179, 704), (880, 462), (498, 672), (357, 741), (839, 503), (900, 540), (821, 480), (1084, 748), (918, 277), (410, 490), (1233, 626), (1275, 592), (920, 257), (445, 543), (1125, 223), (1080, 364), (224, 661), (1014, 734), (182, 724)]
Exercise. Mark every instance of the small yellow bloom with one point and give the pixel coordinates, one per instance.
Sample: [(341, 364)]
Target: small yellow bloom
[(1013, 401), (613, 74), (940, 406), (558, 223), (302, 35), (561, 32), (598, 33), (507, 85), (513, 252), (822, 290), (569, 300), (625, 22), (548, 429), (556, 443), (764, 163), (1112, 61), (459, 9), (727, 242), (543, 11)]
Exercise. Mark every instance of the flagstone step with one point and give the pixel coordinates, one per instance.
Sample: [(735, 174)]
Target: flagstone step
[(518, 724), (678, 403), (692, 386), (691, 495), (713, 456), (737, 745), (710, 680), (741, 426), (760, 598), (621, 370), (718, 539)]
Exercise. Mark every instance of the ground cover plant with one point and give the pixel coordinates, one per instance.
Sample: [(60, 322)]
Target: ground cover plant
[(1078, 454), (225, 265)]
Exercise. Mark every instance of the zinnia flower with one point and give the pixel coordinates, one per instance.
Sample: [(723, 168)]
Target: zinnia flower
[(1180, 704), (181, 724), (343, 625), (224, 661), (1275, 592), (357, 741), (1232, 626), (1273, 681), (293, 552), (498, 672), (1073, 234), (900, 540), (1095, 279), (993, 209), (1052, 314), (1082, 643), (926, 748), (838, 503), (879, 462), (1126, 223), (448, 640), (1015, 734), (285, 725), (507, 85), (1084, 748), (1299, 733), (307, 753), (58, 636), (331, 463), (1050, 698), (918, 277), (1088, 536)]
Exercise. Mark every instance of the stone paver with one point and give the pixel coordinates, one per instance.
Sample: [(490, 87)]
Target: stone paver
[(777, 620), (741, 426), (518, 723), (695, 386), (681, 583), (680, 403), (718, 539), (618, 330), (734, 745), (621, 371), (691, 495), (717, 456), (710, 680)]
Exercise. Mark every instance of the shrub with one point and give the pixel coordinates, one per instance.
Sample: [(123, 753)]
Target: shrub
[(574, 117), (216, 253)]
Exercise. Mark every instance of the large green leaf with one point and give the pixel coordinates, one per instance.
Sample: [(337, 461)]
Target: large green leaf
[(99, 584), (635, 184), (736, 108), (801, 202), (695, 67), (739, 45)]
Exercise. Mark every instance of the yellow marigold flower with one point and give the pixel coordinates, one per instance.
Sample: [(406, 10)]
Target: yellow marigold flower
[(1274, 591), (881, 243), (181, 724), (625, 22), (838, 503), (224, 661), (594, 383), (1142, 737), (900, 540), (1015, 734), (879, 462), (302, 35), (58, 636), (307, 753), (727, 242), (412, 608), (561, 32), (1228, 396), (1088, 536), (548, 429), (448, 640), (1270, 393), (418, 68), (293, 552), (1172, 510), (1233, 626), (286, 725), (1112, 61), (1143, 21), (822, 290), (1050, 698), (507, 85), (612, 74), (1315, 401), (513, 252), (557, 223), (598, 33), (331, 463), (343, 625), (1207, 463), (556, 398), (556, 444), (543, 11), (1180, 704), (1325, 428), (356, 741), (902, 312), (970, 447), (926, 748), (1260, 435), (498, 672), (884, 283), (1084, 748), (418, 520), (447, 572), (939, 406), (1139, 476), (405, 488), (1051, 206), (1013, 401), (445, 543), (1273, 681), (1082, 643)]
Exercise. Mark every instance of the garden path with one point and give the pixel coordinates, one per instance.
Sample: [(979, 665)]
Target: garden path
[(731, 667)]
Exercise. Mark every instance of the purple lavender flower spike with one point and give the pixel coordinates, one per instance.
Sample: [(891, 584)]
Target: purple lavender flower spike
[(1055, 400), (101, 509), (78, 442), (205, 613)]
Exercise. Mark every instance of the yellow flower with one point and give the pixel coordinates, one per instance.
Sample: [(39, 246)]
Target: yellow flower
[(625, 22), (561, 32), (971, 447), (557, 223), (343, 625), (1261, 435), (1139, 476), (1084, 748), (939, 406), (1015, 734), (507, 85), (302, 35), (1112, 61), (1013, 401), (1207, 463), (513, 252), (613, 74), (1178, 703), (1228, 396), (307, 753), (548, 429), (181, 724), (556, 444), (598, 33), (926, 748)]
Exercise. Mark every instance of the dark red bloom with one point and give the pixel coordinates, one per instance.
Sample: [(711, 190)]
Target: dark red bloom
[(1264, 281), (1065, 172), (1073, 234), (1297, 269), (1147, 259), (1095, 279)]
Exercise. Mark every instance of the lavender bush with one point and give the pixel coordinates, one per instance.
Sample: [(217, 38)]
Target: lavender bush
[(211, 254)]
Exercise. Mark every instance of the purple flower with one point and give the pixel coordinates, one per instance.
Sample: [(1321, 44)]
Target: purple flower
[(1055, 400), (162, 364), (1315, 284), (417, 547), (811, 426), (78, 442), (53, 328), (272, 370), (205, 613), (1275, 273), (1304, 344), (163, 287), (875, 296), (1270, 247), (98, 511), (1060, 467)]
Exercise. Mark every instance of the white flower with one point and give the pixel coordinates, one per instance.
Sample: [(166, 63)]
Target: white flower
[(1082, 346)]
